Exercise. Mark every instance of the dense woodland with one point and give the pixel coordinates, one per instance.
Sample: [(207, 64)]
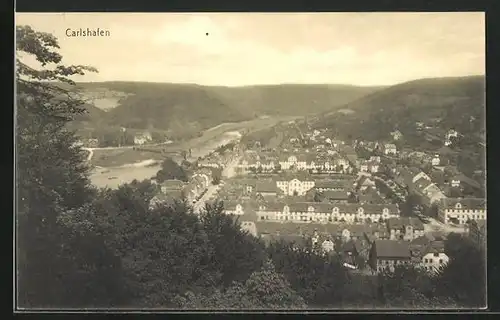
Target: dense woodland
[(82, 247)]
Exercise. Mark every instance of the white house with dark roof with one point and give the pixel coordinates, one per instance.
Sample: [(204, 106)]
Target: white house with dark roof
[(387, 254), (461, 210)]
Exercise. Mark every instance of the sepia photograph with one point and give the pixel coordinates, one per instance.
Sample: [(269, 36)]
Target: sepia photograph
[(266, 162)]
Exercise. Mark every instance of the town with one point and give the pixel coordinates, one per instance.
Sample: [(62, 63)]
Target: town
[(374, 204)]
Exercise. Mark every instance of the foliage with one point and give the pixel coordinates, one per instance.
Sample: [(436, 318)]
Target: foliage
[(264, 289), (57, 265), (318, 279), (464, 277), (236, 253), (170, 170)]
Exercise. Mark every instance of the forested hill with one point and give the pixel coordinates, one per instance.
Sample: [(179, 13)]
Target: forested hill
[(447, 102), (168, 106)]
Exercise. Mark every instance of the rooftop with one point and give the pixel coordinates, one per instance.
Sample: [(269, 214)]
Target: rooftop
[(392, 249)]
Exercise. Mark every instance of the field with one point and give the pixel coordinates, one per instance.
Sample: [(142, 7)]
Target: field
[(119, 157), (101, 177)]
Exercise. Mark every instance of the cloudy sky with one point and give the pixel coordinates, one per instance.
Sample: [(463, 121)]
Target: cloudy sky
[(246, 48)]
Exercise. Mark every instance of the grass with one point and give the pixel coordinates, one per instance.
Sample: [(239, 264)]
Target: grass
[(119, 157)]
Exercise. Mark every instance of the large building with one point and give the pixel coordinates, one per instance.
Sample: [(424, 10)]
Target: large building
[(326, 212), (461, 210), (387, 254)]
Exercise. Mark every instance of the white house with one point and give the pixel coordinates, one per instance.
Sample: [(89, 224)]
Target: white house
[(460, 210), (390, 149), (295, 186), (436, 160), (434, 260), (396, 135)]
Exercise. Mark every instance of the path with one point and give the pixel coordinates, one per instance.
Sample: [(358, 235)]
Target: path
[(227, 172)]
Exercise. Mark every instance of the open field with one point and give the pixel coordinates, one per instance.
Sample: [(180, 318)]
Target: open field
[(119, 157), (101, 177)]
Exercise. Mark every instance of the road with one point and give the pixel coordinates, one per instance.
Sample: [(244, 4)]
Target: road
[(227, 172), (435, 226)]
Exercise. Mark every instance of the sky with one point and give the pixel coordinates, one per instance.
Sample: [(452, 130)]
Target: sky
[(236, 49)]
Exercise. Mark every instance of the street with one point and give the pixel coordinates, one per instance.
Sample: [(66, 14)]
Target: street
[(212, 190)]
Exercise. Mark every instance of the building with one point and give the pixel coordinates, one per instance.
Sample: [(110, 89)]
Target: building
[(461, 210), (266, 188), (169, 185), (405, 228), (434, 258), (435, 161), (321, 212), (91, 143), (396, 135), (390, 149), (295, 186), (387, 254), (143, 138), (450, 134), (166, 198)]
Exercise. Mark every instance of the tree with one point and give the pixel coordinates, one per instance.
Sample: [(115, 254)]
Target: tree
[(264, 289), (236, 254), (171, 170), (57, 265), (464, 277), (403, 287), (318, 279), (164, 250)]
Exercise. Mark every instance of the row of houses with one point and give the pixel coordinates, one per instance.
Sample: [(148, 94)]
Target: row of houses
[(296, 185), (376, 245), (171, 190), (326, 162), (419, 183), (313, 212)]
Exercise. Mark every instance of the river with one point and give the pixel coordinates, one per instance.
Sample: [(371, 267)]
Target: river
[(212, 138)]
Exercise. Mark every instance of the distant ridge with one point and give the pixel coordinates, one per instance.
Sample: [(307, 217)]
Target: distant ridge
[(452, 100), (192, 107)]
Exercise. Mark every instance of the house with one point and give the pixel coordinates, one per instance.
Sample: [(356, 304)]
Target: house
[(173, 184), (374, 159), (460, 210), (266, 188), (322, 185), (405, 228), (142, 138), (436, 160), (91, 143), (387, 254), (451, 133), (396, 135), (369, 196), (248, 222), (434, 258), (295, 186), (168, 198), (365, 183), (390, 149), (334, 196), (234, 208)]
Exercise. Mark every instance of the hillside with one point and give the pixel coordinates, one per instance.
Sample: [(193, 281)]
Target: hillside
[(192, 108), (443, 102)]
